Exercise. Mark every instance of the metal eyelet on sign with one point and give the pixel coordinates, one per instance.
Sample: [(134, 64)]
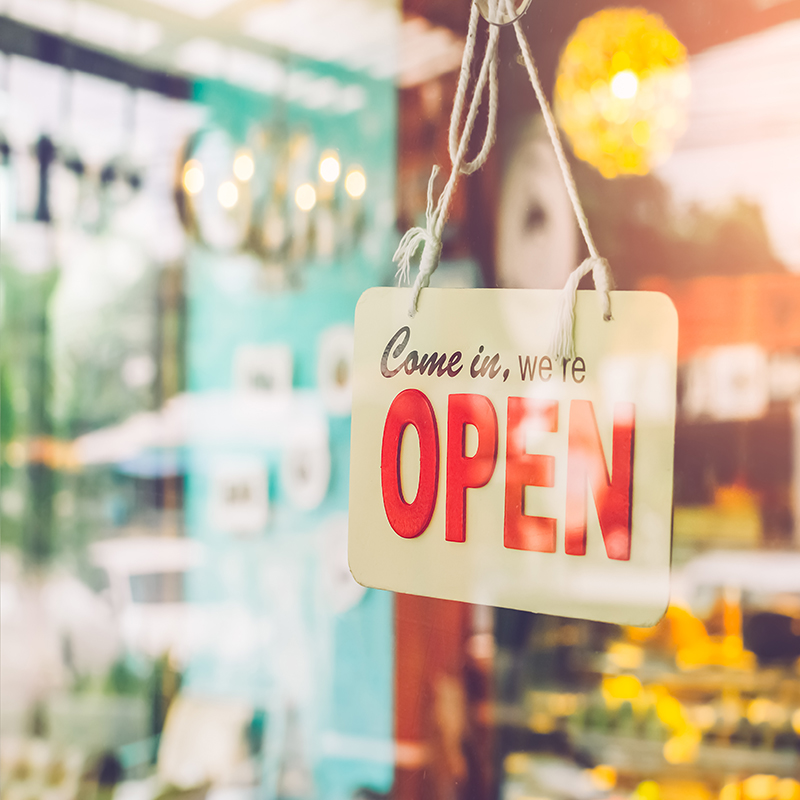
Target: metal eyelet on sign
[(502, 12)]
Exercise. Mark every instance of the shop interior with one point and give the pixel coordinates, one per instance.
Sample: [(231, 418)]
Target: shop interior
[(193, 196)]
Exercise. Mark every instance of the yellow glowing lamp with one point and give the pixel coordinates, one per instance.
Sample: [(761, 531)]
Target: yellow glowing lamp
[(621, 91)]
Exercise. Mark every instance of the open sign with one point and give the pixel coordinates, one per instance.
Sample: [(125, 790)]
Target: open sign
[(586, 465), (485, 470)]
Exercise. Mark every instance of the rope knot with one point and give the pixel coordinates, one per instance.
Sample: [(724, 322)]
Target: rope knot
[(430, 239), (409, 244), (563, 341), (431, 253), (604, 283)]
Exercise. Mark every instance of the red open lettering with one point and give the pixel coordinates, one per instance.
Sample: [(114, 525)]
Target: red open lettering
[(467, 472), (586, 470), (410, 407), (586, 462), (523, 532)]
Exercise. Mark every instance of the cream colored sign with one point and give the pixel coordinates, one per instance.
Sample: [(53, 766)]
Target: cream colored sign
[(484, 470)]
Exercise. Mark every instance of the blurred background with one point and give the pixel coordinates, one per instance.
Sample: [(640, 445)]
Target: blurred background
[(193, 195)]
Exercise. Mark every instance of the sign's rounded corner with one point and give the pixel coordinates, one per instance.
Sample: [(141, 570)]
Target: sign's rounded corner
[(363, 298), (669, 304), (354, 570), (656, 616)]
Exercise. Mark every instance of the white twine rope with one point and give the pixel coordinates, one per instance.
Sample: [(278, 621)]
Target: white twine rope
[(430, 237), (563, 342)]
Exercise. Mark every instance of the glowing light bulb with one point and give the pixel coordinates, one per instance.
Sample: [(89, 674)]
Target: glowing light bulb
[(228, 194), (621, 91), (355, 183), (625, 84), (329, 168), (243, 166), (305, 197), (193, 178)]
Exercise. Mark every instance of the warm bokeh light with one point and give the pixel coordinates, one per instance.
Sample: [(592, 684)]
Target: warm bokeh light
[(516, 763), (621, 91), (763, 710), (355, 183), (647, 790), (193, 179), (682, 749), (624, 84), (603, 776), (730, 791), (788, 789), (625, 656), (305, 197), (760, 787), (243, 166), (622, 687), (670, 712), (228, 194), (704, 716), (329, 168), (15, 454)]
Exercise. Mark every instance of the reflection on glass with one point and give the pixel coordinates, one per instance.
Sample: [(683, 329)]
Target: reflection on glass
[(243, 166), (355, 183), (305, 197), (193, 179), (228, 194), (329, 168)]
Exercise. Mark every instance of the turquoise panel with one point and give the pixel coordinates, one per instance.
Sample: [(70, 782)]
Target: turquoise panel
[(320, 671)]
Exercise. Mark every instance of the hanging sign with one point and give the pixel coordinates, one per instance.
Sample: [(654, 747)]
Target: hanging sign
[(485, 470)]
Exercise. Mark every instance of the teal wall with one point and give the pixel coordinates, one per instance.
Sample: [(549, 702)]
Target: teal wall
[(323, 679)]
